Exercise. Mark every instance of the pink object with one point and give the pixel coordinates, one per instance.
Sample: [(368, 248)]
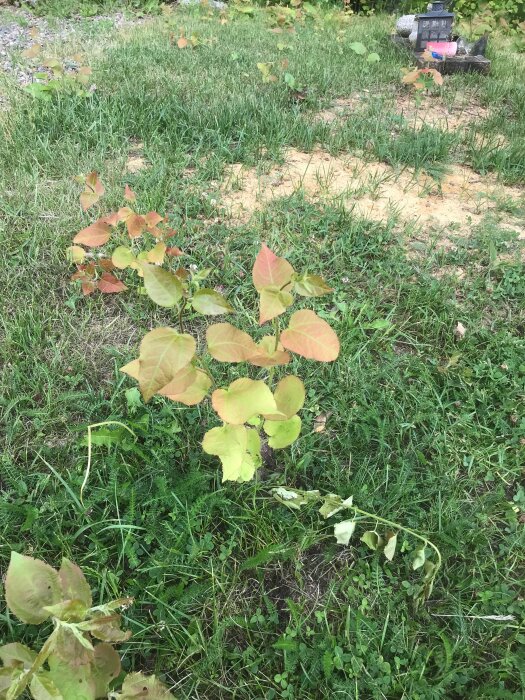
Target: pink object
[(445, 48)]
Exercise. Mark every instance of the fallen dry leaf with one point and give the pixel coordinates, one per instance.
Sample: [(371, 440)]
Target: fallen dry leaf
[(460, 330), (320, 422)]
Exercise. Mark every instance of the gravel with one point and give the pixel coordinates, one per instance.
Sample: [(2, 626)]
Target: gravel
[(15, 35)]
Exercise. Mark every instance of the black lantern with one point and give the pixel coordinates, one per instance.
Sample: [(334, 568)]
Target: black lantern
[(435, 25)]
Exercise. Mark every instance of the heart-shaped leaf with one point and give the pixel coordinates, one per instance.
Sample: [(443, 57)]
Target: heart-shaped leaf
[(237, 447), (194, 393), (282, 433), (310, 336), (289, 396), (228, 344), (163, 353), (270, 270), (73, 583), (30, 586), (162, 286), (274, 302), (95, 235), (268, 354), (242, 400)]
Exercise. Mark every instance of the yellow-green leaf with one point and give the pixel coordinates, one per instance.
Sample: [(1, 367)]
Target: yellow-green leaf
[(137, 685), (122, 257), (163, 353), (210, 303), (289, 396), (311, 286), (237, 447), (228, 344), (390, 546), (43, 688), (242, 400), (30, 586), (75, 254), (273, 302), (310, 336), (74, 584), (344, 530), (162, 286), (372, 539), (282, 433), (157, 253)]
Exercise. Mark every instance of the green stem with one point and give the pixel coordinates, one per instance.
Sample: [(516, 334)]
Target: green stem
[(181, 312), (89, 429), (277, 328)]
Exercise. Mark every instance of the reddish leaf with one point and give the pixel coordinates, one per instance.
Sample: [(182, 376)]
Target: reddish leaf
[(106, 264), (135, 225), (271, 270), (182, 43), (174, 251), (124, 213), (129, 195), (112, 219), (152, 219), (310, 336), (108, 284), (95, 235)]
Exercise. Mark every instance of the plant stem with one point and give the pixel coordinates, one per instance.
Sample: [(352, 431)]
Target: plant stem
[(181, 312), (25, 679), (277, 328)]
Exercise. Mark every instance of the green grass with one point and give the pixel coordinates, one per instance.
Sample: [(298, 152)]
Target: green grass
[(232, 590)]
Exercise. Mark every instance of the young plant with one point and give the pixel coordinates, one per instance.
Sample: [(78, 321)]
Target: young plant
[(168, 364), (54, 76), (70, 665), (385, 542)]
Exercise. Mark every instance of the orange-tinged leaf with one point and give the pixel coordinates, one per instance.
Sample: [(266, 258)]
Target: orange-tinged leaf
[(124, 213), (195, 392), (270, 270), (410, 77), (242, 400), (94, 189), (310, 336), (129, 195), (88, 287), (75, 254), (112, 218), (173, 251), (268, 355), (152, 219), (228, 344), (132, 369), (95, 235), (135, 225), (163, 353), (106, 264), (274, 302), (182, 42), (108, 284), (180, 382)]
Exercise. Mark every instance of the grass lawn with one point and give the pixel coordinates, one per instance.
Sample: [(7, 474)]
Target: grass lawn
[(236, 596)]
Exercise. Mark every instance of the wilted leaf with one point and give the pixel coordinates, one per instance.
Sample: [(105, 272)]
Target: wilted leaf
[(332, 504), (268, 355), (293, 498), (135, 224), (157, 253), (129, 195), (122, 257), (163, 353), (68, 610), (107, 628), (282, 433), (358, 48), (194, 393), (95, 235), (237, 447), (162, 286), (390, 546), (93, 191), (106, 668), (137, 686), (311, 286), (242, 400), (228, 344), (460, 330), (17, 655), (289, 397), (372, 539), (73, 583), (210, 303), (43, 688), (344, 530), (152, 219), (320, 422), (419, 558), (273, 302), (108, 284), (30, 585), (270, 270), (75, 254), (310, 336)]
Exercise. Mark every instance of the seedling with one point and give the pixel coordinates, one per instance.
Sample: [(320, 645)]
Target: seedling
[(78, 660)]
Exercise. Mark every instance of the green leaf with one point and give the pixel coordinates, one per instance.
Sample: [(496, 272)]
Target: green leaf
[(273, 302), (8, 677), (163, 353), (43, 688), (344, 530), (282, 433), (210, 303), (68, 610), (333, 504), (358, 48), (137, 686), (373, 58), (311, 286), (372, 539), (162, 286), (122, 257), (17, 655), (242, 400), (75, 682), (293, 498), (390, 546), (30, 585), (419, 558), (237, 447)]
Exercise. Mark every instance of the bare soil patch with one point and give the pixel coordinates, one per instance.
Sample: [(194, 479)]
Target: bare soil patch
[(434, 112), (372, 190), (136, 161)]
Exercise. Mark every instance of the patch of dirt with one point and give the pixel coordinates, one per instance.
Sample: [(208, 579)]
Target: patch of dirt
[(342, 108), (433, 111), (371, 190), (136, 161)]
